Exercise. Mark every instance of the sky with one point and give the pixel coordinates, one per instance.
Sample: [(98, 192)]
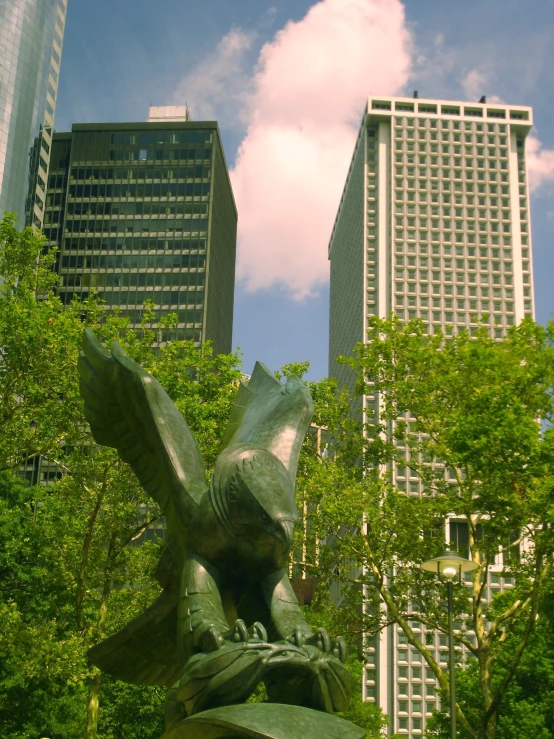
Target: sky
[(287, 81)]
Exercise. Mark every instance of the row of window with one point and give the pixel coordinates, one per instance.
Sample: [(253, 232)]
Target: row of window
[(134, 279), (446, 223), (130, 261), (190, 315), (406, 138), (417, 706), (437, 208), (469, 265), (405, 246), (139, 208), (159, 155), (445, 176), (149, 190), (416, 725), (406, 240), (472, 290), (460, 304), (422, 275), (88, 174), (448, 318), (191, 297), (160, 225), (471, 155), (161, 137), (447, 124), (132, 243), (461, 190), (159, 297), (448, 261)]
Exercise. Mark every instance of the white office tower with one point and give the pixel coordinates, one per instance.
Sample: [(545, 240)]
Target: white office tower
[(433, 223)]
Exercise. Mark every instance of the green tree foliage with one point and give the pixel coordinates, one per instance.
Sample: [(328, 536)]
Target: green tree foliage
[(528, 707), (457, 416)]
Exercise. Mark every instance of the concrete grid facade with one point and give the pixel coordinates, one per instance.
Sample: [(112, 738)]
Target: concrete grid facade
[(433, 223), (31, 39)]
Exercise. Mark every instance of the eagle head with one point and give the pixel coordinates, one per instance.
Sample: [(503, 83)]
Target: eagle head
[(253, 498)]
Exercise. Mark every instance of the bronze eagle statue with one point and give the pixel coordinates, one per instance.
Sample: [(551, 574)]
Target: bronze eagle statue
[(227, 617)]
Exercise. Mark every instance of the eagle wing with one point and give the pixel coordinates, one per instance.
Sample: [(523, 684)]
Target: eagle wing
[(271, 416), (129, 410), (145, 651)]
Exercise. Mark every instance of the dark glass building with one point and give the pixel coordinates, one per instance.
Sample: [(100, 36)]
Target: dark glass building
[(31, 39), (146, 211)]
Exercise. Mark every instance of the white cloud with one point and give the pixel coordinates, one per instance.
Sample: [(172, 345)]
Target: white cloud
[(304, 109), (540, 163), (216, 86), (301, 109), (474, 84)]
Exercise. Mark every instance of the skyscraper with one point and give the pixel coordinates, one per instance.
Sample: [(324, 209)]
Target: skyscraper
[(31, 35), (146, 211), (433, 223)]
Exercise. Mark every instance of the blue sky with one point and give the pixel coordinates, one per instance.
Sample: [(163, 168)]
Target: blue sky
[(286, 81)]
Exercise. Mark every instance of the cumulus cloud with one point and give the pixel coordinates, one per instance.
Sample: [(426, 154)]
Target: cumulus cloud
[(216, 86), (301, 110), (304, 110), (540, 163), (474, 84)]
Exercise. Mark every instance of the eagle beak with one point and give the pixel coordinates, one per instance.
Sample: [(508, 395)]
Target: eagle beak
[(286, 532)]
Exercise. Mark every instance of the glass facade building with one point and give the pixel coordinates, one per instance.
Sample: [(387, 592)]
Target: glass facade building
[(433, 224), (145, 211), (31, 38)]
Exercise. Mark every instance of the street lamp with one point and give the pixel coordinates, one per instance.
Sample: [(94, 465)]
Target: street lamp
[(449, 566)]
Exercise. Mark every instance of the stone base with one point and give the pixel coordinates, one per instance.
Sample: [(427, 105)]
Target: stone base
[(264, 721)]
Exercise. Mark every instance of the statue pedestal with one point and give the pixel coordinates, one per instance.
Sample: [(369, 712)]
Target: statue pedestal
[(264, 721)]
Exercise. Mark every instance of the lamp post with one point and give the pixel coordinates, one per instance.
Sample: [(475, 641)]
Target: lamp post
[(448, 566)]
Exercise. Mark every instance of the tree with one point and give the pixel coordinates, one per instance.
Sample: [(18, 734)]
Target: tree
[(528, 707), (460, 413), (38, 340)]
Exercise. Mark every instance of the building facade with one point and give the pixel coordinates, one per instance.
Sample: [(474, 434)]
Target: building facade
[(31, 36), (145, 211), (433, 223)]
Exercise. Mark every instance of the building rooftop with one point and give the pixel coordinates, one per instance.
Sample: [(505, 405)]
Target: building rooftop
[(451, 108)]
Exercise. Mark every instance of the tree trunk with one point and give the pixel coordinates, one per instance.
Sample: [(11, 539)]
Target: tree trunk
[(95, 684), (92, 706), (488, 731), (80, 590)]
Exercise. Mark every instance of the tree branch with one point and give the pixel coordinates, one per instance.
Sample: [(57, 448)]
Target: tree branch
[(413, 639), (540, 574)]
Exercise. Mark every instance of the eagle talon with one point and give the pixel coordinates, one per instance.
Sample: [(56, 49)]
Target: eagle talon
[(321, 640), (239, 632), (257, 631), (339, 648), (298, 637)]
